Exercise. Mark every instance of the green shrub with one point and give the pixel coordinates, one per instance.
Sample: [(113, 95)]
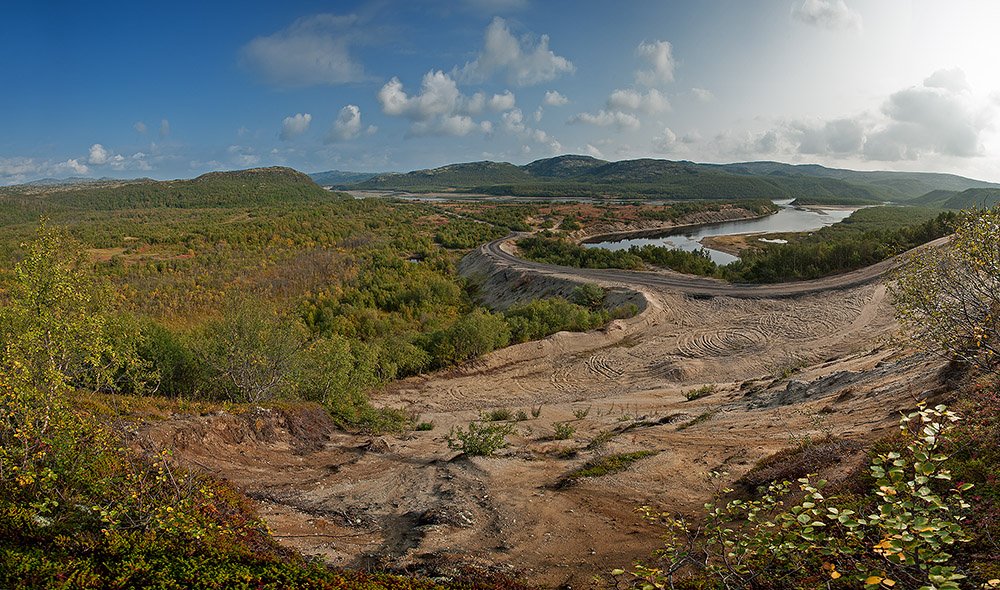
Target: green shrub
[(480, 440), (563, 430), (700, 392)]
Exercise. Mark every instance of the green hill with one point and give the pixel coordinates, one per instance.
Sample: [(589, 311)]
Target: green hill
[(973, 197), (256, 186), (584, 176), (895, 185)]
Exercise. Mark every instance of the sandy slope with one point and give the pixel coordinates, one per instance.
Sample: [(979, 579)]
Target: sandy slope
[(386, 501)]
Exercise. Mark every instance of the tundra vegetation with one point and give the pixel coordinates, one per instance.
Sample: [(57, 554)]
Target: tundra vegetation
[(923, 512)]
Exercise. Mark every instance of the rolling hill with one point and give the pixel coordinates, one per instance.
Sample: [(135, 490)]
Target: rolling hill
[(578, 175)]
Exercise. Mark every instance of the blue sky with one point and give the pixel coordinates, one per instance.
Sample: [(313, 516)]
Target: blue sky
[(173, 90)]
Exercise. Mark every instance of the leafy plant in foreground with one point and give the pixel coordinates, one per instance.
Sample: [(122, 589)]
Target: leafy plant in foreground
[(906, 537)]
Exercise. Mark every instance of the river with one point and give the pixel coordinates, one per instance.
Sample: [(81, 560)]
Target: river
[(787, 219)]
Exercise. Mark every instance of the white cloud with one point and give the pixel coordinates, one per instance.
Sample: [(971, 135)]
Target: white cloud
[(652, 101), (525, 63), (659, 54), (71, 166), (953, 79), (666, 142), (451, 125), (827, 14), (590, 150), (925, 121), (554, 99), (538, 115), (837, 137), (513, 122), (747, 144), (140, 127), (702, 95), (439, 108), (243, 156), (314, 50), (98, 155), (348, 125), (438, 95), (20, 170), (502, 102), (293, 127), (164, 128), (623, 121)]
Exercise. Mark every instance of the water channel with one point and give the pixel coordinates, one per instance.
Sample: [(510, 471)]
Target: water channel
[(787, 219)]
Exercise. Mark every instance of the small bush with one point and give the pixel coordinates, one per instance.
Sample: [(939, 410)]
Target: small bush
[(536, 412), (479, 440), (563, 431), (700, 392), (581, 414), (605, 465), (424, 426), (503, 414)]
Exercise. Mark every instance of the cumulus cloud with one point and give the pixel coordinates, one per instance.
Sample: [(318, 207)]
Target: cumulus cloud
[(98, 155), (502, 102), (651, 101), (524, 62), (243, 156), (293, 127), (953, 79), (747, 143), (439, 108), (164, 128), (837, 137), (554, 99), (660, 56), (20, 170), (590, 150), (140, 127), (348, 126), (832, 15), (453, 125), (702, 95), (666, 142), (927, 120), (622, 121), (439, 95), (940, 118), (314, 50)]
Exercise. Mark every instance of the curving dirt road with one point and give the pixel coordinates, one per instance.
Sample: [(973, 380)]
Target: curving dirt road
[(500, 253)]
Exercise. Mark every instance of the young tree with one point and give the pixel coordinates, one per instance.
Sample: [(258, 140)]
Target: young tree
[(55, 328), (949, 297), (254, 351)]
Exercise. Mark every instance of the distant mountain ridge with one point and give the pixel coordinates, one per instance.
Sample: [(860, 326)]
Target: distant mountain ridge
[(587, 176)]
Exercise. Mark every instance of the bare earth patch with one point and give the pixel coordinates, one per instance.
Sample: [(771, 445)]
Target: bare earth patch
[(783, 369)]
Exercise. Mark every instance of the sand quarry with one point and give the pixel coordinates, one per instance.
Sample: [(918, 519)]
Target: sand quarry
[(782, 369)]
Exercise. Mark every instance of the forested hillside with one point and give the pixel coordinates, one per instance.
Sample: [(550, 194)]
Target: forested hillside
[(574, 175)]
